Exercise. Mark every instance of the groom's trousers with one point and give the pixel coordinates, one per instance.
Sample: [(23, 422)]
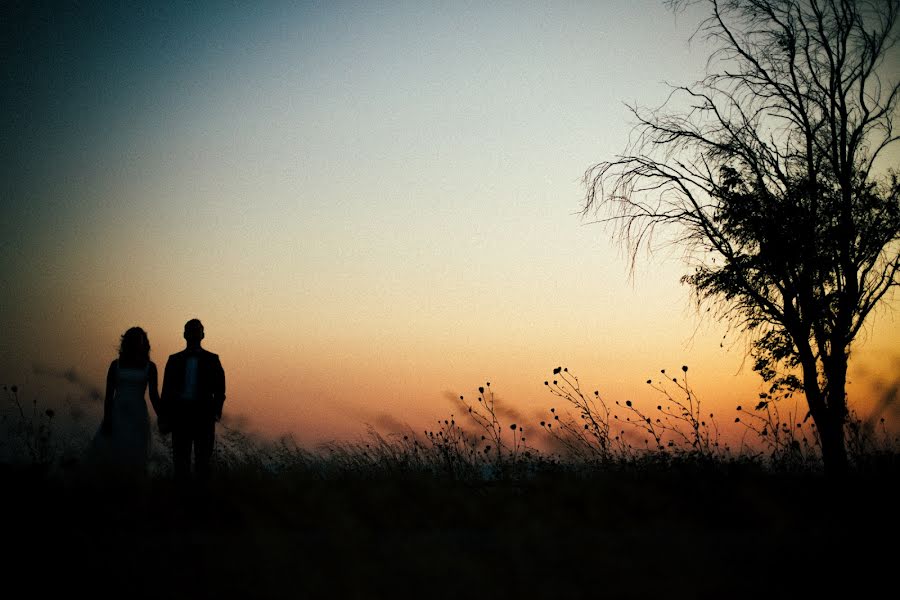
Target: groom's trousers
[(194, 434)]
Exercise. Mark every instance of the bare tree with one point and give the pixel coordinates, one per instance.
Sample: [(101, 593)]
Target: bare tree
[(768, 172)]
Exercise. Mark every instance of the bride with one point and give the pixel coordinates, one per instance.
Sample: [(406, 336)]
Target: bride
[(123, 441)]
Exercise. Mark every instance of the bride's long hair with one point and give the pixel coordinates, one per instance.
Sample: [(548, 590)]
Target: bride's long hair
[(134, 348)]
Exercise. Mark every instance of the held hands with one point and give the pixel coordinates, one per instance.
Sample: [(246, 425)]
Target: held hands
[(164, 425)]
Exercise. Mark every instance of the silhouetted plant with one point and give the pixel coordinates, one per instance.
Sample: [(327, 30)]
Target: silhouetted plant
[(682, 417), (238, 452), (870, 444), (31, 429), (678, 425), (789, 441), (484, 414), (588, 436)]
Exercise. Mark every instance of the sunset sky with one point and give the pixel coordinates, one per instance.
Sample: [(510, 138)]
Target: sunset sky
[(372, 207)]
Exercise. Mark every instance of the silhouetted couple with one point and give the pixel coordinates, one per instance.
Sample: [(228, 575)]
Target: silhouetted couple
[(190, 405)]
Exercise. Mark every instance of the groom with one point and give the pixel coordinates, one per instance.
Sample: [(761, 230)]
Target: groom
[(192, 396)]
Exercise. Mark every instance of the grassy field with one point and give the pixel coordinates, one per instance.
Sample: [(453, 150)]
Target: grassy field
[(674, 530), (469, 511)]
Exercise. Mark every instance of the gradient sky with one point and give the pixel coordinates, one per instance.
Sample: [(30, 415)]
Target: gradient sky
[(372, 207)]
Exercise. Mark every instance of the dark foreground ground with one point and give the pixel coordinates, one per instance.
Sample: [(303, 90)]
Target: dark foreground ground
[(663, 534)]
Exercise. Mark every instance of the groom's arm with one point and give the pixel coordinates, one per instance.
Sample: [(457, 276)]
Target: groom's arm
[(165, 400), (164, 408), (153, 384), (218, 388)]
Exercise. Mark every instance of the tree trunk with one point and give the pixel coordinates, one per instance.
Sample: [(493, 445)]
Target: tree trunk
[(828, 408), (834, 447)]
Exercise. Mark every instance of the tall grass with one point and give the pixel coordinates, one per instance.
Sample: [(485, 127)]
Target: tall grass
[(582, 432)]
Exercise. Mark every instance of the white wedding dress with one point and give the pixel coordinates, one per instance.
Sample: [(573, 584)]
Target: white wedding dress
[(127, 445)]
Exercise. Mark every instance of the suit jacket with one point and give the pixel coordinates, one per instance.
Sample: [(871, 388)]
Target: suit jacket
[(210, 391)]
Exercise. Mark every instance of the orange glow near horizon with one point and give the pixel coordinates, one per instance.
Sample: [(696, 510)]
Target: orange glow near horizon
[(317, 389)]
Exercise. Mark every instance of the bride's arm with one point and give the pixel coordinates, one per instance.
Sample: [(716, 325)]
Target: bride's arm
[(153, 384), (106, 425)]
